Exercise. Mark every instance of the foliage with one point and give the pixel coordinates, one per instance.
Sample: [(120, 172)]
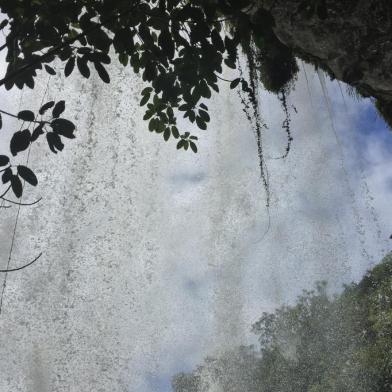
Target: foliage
[(178, 47), (54, 127), (320, 344)]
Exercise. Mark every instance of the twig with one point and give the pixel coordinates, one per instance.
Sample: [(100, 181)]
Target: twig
[(21, 204), (23, 266)]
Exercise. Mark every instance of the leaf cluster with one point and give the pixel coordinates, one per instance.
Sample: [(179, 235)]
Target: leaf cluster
[(33, 125)]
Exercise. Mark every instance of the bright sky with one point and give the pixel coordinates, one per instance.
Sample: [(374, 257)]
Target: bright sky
[(155, 258)]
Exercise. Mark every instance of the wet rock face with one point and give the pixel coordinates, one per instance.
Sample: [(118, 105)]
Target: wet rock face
[(351, 39)]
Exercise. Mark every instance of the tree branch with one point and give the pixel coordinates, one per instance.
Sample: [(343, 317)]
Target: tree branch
[(20, 204), (15, 116), (24, 266)]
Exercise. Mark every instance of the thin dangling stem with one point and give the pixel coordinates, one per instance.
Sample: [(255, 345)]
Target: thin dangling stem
[(7, 270)]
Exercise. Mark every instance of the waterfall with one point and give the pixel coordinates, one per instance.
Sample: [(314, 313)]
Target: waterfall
[(152, 257)]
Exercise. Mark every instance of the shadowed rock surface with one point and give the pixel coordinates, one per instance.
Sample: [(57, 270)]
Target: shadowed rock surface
[(351, 40)]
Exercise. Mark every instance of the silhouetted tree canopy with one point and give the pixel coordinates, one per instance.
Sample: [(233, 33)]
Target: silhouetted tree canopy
[(178, 47)]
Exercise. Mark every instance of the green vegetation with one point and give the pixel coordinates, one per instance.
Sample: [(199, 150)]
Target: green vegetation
[(180, 48), (320, 344)]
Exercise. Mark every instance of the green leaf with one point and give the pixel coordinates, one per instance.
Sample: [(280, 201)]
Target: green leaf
[(193, 147), (200, 123), (152, 125), (204, 115), (147, 91), (180, 144), (145, 99), (160, 127), (27, 175), (175, 132), (123, 58), (148, 115), (166, 134)]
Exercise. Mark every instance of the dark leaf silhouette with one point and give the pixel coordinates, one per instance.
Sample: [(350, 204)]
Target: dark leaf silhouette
[(45, 107), (201, 124), (83, 67), (204, 115), (4, 160), (20, 141), (235, 83), (63, 127), (6, 177), (16, 185), (3, 24), (166, 134), (166, 43), (50, 70), (103, 74), (175, 132), (69, 67), (217, 41), (28, 175), (145, 99), (26, 115), (1, 121), (180, 144), (58, 109), (98, 38), (37, 132), (193, 146), (54, 142)]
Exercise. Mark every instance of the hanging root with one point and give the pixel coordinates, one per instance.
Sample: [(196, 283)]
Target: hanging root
[(282, 96), (251, 91)]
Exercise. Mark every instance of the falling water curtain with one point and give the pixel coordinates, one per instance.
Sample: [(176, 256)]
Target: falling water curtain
[(252, 257)]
